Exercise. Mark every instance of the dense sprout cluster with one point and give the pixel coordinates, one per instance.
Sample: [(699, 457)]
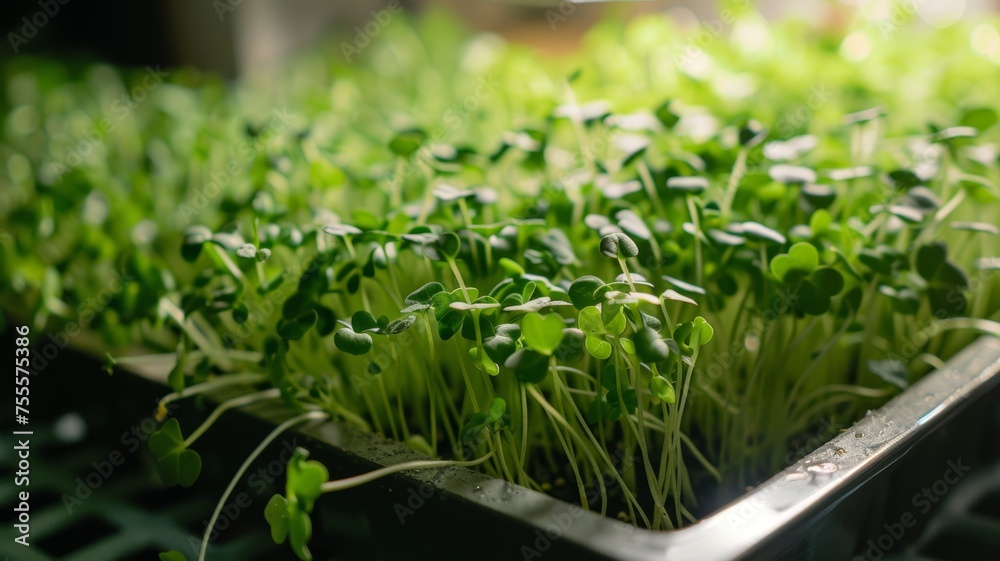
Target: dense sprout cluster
[(647, 277)]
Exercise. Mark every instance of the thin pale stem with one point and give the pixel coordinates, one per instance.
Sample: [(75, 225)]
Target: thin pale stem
[(221, 382), (234, 403), (350, 482), (311, 416)]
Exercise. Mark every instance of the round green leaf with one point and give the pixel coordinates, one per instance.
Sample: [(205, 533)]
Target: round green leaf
[(981, 118), (305, 479), (828, 279), (598, 347), (673, 295), (529, 366), (752, 133), (662, 389), (581, 291), (496, 410), (295, 329), (801, 260), (979, 227), (818, 195), (240, 313), (701, 331), (188, 468), (341, 230), (759, 232), (649, 346), (400, 325), (690, 184), (813, 300), (684, 286), (469, 435), (362, 321), (542, 333), (407, 142), (168, 440), (351, 342), (299, 534), (820, 222), (618, 245), (194, 240), (276, 514), (590, 321), (791, 175), (423, 295), (449, 320), (930, 258)]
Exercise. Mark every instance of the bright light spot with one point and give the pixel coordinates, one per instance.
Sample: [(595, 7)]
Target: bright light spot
[(19, 168), (698, 126), (684, 17), (985, 40), (144, 232), (482, 53), (856, 46), (752, 35), (95, 208), (23, 88), (877, 10), (695, 62), (751, 342), (734, 86), (70, 428), (941, 13), (24, 120)]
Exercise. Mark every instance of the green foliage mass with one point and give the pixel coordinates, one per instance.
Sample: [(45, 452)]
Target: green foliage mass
[(677, 252)]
